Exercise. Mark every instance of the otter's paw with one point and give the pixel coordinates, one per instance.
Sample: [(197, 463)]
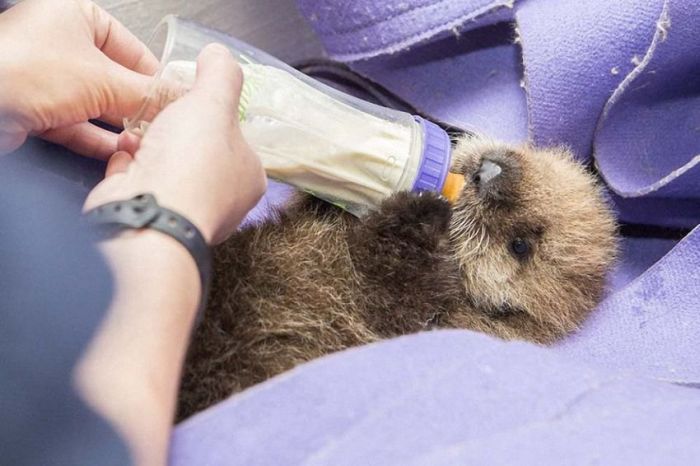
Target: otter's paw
[(411, 216)]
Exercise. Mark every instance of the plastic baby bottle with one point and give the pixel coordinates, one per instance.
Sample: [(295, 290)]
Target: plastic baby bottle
[(337, 147)]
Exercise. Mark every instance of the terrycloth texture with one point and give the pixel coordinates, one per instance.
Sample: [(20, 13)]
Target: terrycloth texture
[(484, 96), (617, 77), (652, 326), (648, 137), (365, 29), (454, 397), (617, 81), (274, 198), (447, 398)]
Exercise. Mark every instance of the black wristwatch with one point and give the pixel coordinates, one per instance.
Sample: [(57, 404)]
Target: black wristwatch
[(143, 211)]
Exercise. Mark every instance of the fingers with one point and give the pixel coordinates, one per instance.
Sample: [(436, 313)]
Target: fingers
[(119, 44), (219, 76), (126, 91), (10, 141), (124, 94), (130, 70), (85, 139), (128, 142), (118, 163)]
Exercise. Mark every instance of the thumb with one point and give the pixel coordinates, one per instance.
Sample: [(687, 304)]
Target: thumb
[(220, 76), (118, 163), (111, 188), (126, 91), (128, 142)]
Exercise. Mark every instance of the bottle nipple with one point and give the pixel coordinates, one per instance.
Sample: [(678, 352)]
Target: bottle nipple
[(453, 186)]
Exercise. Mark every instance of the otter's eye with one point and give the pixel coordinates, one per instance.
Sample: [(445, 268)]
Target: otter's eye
[(520, 248)]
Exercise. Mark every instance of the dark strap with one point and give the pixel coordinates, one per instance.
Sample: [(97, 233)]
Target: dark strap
[(143, 211)]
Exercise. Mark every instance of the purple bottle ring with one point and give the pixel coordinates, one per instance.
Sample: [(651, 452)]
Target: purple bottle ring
[(435, 159)]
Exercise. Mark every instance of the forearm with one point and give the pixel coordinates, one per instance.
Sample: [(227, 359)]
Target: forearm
[(131, 371)]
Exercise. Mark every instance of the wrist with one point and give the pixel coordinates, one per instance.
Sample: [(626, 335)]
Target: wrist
[(143, 212), (150, 263), (129, 372), (213, 221), (166, 197), (208, 220)]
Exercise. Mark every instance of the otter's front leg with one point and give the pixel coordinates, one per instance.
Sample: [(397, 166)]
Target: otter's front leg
[(409, 221), (402, 253)]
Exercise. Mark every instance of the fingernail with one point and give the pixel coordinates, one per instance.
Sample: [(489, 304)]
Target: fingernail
[(218, 48)]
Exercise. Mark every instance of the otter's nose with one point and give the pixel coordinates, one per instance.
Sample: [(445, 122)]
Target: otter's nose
[(487, 172), (498, 176)]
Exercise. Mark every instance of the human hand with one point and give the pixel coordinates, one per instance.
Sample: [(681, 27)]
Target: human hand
[(63, 63), (193, 157)]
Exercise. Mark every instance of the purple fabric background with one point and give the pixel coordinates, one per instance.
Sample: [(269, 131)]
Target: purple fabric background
[(648, 137), (619, 83), (449, 397), (614, 80)]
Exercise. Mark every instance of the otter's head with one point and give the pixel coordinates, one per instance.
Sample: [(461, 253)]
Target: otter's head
[(533, 237)]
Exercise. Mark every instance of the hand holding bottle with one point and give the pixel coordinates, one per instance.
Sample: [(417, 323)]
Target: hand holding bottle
[(193, 157)]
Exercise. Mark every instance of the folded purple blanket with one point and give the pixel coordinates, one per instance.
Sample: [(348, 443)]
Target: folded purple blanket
[(614, 80), (447, 398), (619, 83)]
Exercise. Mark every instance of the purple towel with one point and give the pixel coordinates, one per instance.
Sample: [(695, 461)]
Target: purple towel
[(619, 82), (447, 398)]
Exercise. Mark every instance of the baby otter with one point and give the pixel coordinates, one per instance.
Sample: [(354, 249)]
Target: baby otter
[(521, 254)]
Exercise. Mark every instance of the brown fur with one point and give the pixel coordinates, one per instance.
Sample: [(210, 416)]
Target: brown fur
[(318, 280)]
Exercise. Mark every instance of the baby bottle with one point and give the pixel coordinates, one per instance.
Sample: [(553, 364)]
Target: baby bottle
[(339, 148)]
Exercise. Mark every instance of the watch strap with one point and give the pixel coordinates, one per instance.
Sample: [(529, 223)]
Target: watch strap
[(143, 211)]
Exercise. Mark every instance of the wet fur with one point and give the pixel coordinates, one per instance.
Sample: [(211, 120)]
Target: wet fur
[(318, 280)]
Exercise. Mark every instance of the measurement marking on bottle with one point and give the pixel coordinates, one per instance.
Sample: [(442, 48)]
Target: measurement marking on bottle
[(391, 163)]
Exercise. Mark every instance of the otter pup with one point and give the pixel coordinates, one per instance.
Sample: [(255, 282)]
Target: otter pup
[(521, 254)]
